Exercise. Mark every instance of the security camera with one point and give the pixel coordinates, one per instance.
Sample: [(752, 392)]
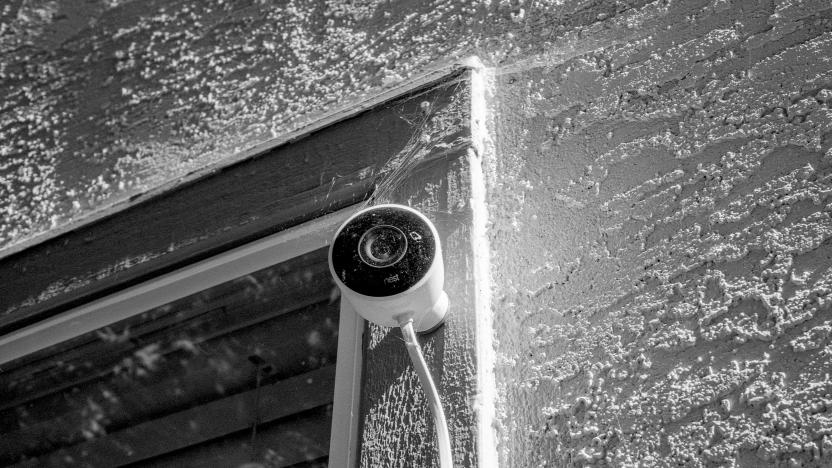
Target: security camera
[(387, 261)]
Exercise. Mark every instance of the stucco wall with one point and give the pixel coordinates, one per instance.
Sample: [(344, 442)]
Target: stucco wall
[(662, 230), (660, 216)]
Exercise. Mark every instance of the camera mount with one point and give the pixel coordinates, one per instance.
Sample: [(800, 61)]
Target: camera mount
[(387, 261)]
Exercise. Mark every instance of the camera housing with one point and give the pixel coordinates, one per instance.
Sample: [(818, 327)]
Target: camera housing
[(387, 261)]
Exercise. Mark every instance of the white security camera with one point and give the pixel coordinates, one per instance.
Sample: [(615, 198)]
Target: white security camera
[(387, 261)]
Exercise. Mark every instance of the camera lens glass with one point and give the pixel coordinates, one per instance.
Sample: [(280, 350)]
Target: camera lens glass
[(382, 246), (383, 251)]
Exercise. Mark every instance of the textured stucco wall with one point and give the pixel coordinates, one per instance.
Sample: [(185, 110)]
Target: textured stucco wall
[(662, 230), (659, 188)]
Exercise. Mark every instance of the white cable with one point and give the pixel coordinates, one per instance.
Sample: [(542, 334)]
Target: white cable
[(443, 438)]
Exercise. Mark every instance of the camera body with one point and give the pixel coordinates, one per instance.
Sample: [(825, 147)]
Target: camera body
[(387, 261)]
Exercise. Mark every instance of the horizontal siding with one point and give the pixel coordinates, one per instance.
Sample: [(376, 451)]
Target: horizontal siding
[(184, 376)]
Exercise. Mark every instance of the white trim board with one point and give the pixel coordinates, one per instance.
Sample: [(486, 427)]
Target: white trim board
[(479, 161), (343, 438), (175, 285)]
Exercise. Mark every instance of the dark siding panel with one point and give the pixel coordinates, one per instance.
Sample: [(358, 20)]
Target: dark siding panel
[(215, 425), (292, 442), (195, 373)]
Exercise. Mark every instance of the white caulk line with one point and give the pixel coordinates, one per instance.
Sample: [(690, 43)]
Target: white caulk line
[(486, 359)]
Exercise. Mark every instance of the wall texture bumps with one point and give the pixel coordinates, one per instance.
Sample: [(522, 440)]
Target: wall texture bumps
[(671, 196), (659, 186)]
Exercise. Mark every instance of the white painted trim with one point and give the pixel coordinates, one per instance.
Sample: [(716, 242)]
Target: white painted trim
[(169, 287), (343, 438), (484, 339)]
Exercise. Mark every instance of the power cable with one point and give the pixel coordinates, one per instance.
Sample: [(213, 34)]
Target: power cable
[(443, 438)]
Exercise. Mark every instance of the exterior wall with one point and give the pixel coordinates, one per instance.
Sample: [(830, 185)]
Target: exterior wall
[(659, 185), (662, 244)]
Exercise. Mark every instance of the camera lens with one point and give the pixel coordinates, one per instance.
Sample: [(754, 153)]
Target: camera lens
[(382, 246)]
